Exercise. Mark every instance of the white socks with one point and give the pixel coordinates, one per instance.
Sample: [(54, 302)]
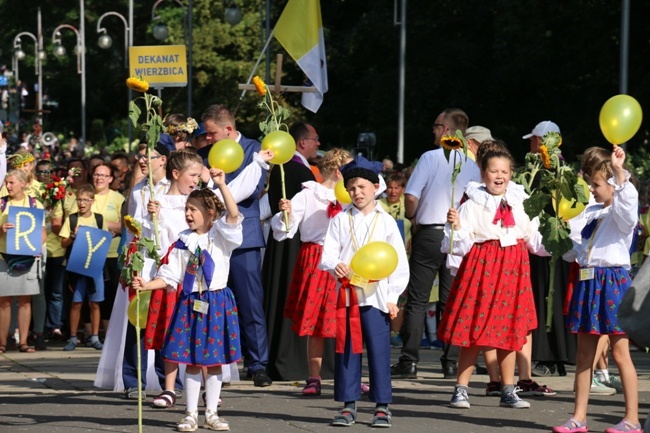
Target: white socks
[(603, 375), (192, 390), (212, 391)]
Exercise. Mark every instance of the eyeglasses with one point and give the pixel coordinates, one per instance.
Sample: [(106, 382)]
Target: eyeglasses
[(44, 171), (101, 175), (312, 138), (141, 157), (84, 200)]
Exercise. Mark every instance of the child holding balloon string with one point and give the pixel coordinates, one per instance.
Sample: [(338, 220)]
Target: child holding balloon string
[(491, 302), (365, 306), (183, 170), (311, 298), (602, 251), (204, 329)]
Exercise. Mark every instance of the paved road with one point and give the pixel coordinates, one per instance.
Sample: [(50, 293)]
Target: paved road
[(52, 392)]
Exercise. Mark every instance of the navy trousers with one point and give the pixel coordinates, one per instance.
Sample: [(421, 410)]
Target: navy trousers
[(130, 362), (245, 280), (375, 328)]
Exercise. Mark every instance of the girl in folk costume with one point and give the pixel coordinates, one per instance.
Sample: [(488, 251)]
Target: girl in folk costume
[(204, 329), (491, 302), (179, 127), (184, 168), (602, 250), (311, 299)]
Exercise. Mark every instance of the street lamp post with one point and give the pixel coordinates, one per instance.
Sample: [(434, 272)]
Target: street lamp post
[(60, 51), (39, 57), (105, 42)]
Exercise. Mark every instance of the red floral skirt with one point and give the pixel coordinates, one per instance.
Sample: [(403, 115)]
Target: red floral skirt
[(161, 309), (311, 300), (491, 300)]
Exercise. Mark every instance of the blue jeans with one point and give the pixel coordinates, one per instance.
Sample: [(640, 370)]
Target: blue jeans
[(54, 275)]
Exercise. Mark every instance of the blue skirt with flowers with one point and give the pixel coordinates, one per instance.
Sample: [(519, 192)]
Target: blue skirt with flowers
[(208, 339), (594, 304)]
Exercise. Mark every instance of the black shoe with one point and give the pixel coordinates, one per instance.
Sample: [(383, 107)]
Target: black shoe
[(261, 379), (450, 370), (401, 370), (480, 370)]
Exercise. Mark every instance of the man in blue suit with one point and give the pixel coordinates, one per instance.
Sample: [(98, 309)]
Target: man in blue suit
[(246, 261)]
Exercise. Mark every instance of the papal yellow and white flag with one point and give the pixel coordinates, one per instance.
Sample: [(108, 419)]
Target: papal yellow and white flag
[(300, 31)]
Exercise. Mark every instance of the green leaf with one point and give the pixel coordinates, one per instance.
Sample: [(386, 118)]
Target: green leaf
[(555, 233), (134, 112), (535, 204), (137, 262)]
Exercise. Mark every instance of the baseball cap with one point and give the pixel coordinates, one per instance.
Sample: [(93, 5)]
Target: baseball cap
[(478, 133), (542, 129), (200, 131)]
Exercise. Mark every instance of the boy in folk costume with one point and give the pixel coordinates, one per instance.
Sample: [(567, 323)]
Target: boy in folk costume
[(366, 309)]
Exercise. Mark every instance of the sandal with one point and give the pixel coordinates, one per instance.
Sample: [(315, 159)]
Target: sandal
[(24, 348), (189, 422), (571, 426), (625, 427), (164, 400), (313, 387), (345, 418), (382, 418), (213, 422)]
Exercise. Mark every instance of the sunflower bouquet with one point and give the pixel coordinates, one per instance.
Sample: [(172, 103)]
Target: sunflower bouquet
[(452, 143), (152, 126), (277, 114), (549, 182), (54, 191)]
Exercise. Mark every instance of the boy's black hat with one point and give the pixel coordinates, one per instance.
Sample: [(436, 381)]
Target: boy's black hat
[(361, 167)]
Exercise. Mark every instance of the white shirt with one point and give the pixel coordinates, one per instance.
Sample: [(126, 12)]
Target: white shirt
[(613, 236), (220, 241), (308, 213), (477, 216), (338, 247), (246, 181), (430, 183), (138, 201)]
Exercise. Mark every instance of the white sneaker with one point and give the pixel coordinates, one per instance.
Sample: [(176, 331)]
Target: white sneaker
[(460, 399), (511, 399), (599, 388)]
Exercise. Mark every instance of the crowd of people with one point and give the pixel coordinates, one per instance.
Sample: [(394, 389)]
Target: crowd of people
[(256, 267)]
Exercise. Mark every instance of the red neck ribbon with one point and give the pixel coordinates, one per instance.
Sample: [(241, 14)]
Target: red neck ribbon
[(504, 214), (333, 209), (342, 317)]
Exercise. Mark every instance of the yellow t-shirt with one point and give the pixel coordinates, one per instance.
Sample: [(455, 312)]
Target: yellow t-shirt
[(110, 206), (5, 218), (54, 248), (90, 221)]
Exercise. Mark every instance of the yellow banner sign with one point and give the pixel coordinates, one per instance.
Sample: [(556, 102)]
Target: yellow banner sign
[(160, 66)]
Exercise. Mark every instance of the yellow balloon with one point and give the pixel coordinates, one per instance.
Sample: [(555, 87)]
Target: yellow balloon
[(375, 260), (620, 118), (342, 195), (226, 155), (565, 210), (282, 144), (143, 312)]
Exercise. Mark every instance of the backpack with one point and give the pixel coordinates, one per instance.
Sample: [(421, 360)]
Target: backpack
[(74, 220), (17, 262)]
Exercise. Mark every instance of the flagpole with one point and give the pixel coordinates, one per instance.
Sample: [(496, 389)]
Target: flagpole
[(259, 60)]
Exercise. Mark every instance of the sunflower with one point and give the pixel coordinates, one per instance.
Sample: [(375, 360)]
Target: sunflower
[(546, 158), (451, 142), (134, 226), (552, 140), (260, 86), (137, 84)]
